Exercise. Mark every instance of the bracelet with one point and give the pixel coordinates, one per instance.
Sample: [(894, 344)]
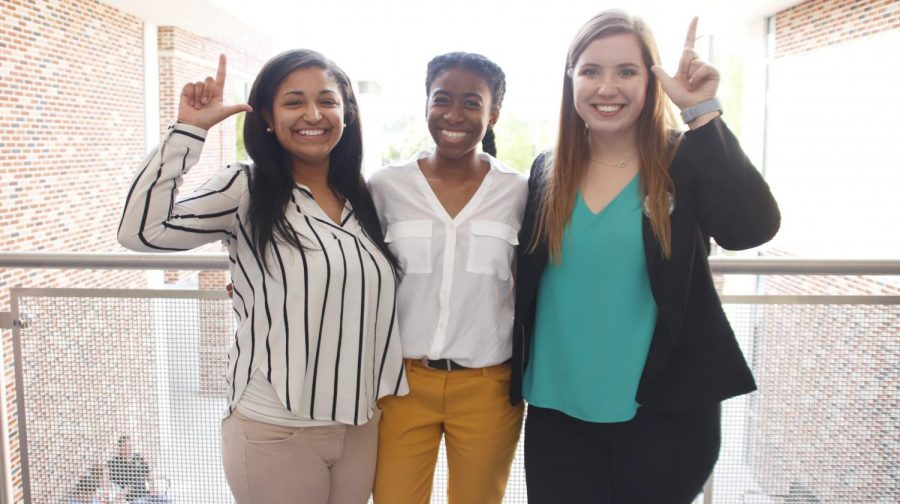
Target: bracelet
[(712, 105)]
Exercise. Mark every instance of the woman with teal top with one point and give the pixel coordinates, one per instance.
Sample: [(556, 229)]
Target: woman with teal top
[(621, 346)]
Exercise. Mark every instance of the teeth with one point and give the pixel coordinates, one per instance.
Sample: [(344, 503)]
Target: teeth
[(311, 132), (608, 108), (453, 134)]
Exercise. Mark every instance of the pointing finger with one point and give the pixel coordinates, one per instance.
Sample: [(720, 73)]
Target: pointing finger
[(220, 73), (691, 34)]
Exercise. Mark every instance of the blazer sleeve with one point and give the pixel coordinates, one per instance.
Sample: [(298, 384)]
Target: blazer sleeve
[(155, 219), (734, 203)]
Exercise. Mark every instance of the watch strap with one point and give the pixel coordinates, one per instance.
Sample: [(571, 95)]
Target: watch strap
[(704, 107)]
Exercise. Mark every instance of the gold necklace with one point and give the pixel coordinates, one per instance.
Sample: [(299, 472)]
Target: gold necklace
[(619, 164)]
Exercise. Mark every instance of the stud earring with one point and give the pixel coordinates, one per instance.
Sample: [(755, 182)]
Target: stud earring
[(268, 130)]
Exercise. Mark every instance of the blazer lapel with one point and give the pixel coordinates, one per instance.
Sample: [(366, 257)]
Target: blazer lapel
[(664, 334)]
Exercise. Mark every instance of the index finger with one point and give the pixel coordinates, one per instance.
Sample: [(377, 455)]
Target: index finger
[(691, 34), (220, 73)]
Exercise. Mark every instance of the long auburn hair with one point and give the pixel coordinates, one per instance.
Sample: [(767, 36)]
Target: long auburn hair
[(656, 148), (272, 179)]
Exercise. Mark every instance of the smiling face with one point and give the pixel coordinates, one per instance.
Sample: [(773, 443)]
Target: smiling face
[(460, 109), (610, 85), (308, 115)]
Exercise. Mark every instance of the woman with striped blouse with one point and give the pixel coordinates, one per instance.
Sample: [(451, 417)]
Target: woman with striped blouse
[(314, 283)]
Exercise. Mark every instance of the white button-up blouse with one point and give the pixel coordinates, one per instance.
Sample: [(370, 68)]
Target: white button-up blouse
[(319, 323), (455, 300)]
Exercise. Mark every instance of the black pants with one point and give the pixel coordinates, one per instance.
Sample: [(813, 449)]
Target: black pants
[(655, 458)]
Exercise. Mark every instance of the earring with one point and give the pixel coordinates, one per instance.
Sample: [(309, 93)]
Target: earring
[(268, 130), (345, 125)]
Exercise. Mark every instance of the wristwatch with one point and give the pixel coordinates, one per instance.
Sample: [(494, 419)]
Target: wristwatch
[(704, 107)]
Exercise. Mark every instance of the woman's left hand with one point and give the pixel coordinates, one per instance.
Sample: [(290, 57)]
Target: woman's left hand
[(696, 80)]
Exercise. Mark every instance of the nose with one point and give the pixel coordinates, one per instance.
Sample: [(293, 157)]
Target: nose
[(453, 115), (607, 86), (312, 114)]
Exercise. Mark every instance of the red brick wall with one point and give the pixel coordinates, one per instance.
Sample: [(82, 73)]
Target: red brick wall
[(72, 134), (71, 131), (819, 23)]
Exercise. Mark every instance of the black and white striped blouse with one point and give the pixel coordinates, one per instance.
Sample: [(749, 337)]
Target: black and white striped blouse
[(320, 323)]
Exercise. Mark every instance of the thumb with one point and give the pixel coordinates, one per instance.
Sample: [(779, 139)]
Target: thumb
[(663, 77), (237, 108)]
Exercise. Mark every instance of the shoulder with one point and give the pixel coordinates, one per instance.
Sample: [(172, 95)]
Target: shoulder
[(232, 181), (234, 174), (392, 174), (541, 164), (512, 178)]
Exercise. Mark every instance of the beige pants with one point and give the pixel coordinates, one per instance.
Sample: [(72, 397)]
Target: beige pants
[(270, 464)]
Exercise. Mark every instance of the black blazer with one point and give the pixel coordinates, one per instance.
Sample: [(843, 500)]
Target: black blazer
[(694, 360)]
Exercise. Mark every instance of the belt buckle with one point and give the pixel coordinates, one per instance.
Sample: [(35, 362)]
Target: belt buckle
[(426, 362)]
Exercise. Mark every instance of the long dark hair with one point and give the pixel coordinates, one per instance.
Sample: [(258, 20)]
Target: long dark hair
[(485, 68), (272, 180)]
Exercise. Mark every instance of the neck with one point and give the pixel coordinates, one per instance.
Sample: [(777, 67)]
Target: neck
[(612, 148), (461, 168), (312, 175)]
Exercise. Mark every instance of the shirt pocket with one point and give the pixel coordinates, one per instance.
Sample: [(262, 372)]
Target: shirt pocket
[(410, 241), (491, 248)]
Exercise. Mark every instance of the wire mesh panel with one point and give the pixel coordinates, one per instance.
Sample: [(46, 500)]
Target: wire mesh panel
[(96, 365), (137, 375), (823, 427)]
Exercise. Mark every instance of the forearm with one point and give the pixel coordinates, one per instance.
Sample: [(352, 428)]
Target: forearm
[(145, 224), (735, 205)]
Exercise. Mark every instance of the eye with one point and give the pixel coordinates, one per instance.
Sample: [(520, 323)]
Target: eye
[(330, 102), (292, 103), (588, 72), (628, 72), (440, 100), (473, 104)]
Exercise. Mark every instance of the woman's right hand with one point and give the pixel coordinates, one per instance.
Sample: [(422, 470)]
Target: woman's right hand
[(201, 103)]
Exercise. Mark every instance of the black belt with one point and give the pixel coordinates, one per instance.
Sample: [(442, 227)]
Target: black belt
[(442, 364)]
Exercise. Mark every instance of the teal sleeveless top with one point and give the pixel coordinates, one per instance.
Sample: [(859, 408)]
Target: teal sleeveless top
[(595, 315)]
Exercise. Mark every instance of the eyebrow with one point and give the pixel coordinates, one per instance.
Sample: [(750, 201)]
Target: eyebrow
[(468, 94), (302, 93), (620, 65)]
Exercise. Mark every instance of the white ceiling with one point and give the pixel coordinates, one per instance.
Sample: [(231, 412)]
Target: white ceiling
[(274, 17)]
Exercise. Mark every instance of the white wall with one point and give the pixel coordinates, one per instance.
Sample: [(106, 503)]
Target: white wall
[(834, 149)]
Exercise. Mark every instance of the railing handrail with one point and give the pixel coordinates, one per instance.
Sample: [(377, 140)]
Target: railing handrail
[(219, 261)]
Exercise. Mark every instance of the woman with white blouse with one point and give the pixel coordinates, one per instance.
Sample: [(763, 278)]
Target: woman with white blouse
[(451, 217), (314, 284)]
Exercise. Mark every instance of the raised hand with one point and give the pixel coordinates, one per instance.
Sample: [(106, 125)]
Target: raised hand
[(696, 80), (201, 102)]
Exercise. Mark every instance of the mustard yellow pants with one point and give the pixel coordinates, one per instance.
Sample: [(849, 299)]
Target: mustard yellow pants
[(470, 407)]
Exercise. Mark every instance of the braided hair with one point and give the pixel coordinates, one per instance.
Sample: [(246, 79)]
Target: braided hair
[(483, 67)]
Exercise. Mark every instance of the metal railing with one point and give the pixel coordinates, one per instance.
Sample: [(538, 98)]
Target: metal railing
[(831, 358), (212, 262)]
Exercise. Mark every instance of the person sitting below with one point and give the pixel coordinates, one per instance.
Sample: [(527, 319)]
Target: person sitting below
[(130, 471)]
